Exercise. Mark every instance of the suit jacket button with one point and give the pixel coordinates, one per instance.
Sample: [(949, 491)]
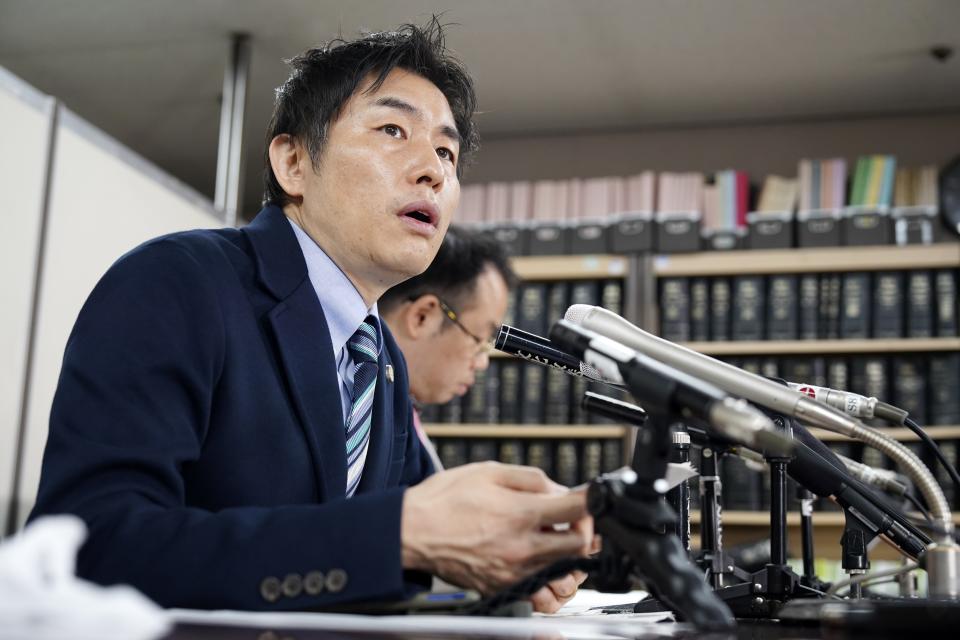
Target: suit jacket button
[(270, 589), (313, 583), (336, 580), (292, 585)]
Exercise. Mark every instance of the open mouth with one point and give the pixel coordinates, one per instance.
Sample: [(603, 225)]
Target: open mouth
[(419, 215)]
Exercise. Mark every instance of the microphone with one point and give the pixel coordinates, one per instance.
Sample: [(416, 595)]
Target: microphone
[(852, 404), (530, 346), (661, 388), (763, 392)]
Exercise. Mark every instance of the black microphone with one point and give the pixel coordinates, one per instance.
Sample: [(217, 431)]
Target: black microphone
[(530, 346), (661, 388), (818, 469)]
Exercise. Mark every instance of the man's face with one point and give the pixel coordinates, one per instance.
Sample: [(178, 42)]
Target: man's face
[(449, 367), (386, 185)]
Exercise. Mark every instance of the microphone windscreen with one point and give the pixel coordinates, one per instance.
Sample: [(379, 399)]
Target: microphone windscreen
[(577, 312)]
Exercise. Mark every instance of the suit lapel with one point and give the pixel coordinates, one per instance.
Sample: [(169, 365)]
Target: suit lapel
[(303, 343), (305, 349)]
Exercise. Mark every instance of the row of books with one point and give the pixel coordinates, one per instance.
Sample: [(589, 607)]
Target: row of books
[(723, 197), (883, 304), (747, 488), (568, 461), (536, 305), (513, 391)]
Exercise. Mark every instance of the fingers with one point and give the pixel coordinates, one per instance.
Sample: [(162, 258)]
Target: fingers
[(571, 508), (527, 479), (552, 545), (550, 598), (545, 600)]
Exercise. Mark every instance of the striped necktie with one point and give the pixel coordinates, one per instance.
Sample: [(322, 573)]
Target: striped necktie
[(363, 350)]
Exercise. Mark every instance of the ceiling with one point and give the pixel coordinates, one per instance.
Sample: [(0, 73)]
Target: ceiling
[(150, 72)]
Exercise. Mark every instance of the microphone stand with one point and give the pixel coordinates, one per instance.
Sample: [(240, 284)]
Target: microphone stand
[(636, 524)]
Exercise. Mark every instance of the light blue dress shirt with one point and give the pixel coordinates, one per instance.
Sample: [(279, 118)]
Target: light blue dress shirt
[(343, 307)]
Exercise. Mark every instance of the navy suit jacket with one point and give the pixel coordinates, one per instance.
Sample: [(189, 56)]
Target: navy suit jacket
[(197, 430)]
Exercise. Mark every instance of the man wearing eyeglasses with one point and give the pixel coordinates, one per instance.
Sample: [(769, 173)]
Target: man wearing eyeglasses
[(445, 319)]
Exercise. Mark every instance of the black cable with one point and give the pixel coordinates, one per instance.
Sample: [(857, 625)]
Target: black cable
[(927, 440), (530, 585), (916, 503)]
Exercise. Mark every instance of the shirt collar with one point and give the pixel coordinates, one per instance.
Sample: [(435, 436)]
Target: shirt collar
[(343, 306)]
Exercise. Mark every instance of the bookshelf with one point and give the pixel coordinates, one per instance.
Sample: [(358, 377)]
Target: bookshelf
[(641, 276), (798, 260), (841, 346)]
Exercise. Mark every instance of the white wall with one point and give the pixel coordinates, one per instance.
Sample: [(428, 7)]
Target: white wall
[(103, 201), (24, 135)]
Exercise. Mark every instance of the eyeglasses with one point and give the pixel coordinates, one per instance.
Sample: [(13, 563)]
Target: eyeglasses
[(483, 346)]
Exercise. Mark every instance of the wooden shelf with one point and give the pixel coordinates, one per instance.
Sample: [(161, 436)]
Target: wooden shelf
[(588, 267), (807, 347), (524, 431), (901, 434), (741, 527), (880, 258), (762, 518)]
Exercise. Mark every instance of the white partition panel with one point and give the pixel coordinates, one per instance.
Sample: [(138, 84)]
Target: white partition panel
[(104, 201), (25, 126)]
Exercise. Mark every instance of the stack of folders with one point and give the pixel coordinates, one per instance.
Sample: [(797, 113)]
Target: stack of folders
[(822, 183), (726, 201), (778, 194), (873, 181), (916, 187)]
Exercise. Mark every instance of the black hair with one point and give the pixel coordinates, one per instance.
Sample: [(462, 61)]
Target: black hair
[(324, 78), (452, 275)]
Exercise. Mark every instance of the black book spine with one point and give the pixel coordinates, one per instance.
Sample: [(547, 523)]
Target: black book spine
[(540, 455), (741, 485), (721, 297), (557, 409), (804, 370), (430, 414), (748, 308), (611, 296), (585, 292), (869, 376), (568, 463), (675, 309), (919, 304), (557, 303), (578, 386), (451, 412), (809, 306), (532, 310), (591, 460), (855, 307), (946, 292), (838, 374), (612, 454), (910, 387), (491, 392), (510, 381), (944, 384), (782, 309), (512, 451), (888, 296), (832, 306), (452, 452), (475, 400), (699, 309), (770, 367), (481, 450), (532, 394)]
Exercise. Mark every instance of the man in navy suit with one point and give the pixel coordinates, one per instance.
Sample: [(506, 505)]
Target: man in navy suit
[(232, 420)]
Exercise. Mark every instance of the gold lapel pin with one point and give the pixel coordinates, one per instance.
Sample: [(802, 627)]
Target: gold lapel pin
[(389, 371)]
